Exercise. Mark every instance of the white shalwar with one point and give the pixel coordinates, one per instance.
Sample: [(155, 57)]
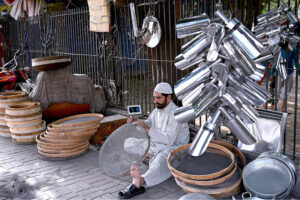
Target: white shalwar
[(166, 135)]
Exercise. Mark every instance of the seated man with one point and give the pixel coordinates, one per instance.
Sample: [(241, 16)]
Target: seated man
[(166, 134)]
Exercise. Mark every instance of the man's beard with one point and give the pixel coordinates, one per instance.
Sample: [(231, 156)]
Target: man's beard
[(161, 106)]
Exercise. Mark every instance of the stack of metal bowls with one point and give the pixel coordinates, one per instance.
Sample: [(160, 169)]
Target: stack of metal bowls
[(271, 176)]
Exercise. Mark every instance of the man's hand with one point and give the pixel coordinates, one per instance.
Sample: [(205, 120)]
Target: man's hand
[(136, 121), (131, 119)]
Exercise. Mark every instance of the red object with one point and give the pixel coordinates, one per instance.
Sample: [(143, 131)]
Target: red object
[(9, 2), (262, 79), (8, 79), (59, 110)]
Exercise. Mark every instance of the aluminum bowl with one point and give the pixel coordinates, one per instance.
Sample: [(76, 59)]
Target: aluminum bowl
[(267, 178)]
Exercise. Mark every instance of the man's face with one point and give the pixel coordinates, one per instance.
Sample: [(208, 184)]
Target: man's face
[(160, 100)]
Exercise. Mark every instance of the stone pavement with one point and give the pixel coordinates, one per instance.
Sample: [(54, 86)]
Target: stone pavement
[(24, 175)]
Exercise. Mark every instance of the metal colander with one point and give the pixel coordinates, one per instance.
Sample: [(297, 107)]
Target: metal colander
[(117, 154)]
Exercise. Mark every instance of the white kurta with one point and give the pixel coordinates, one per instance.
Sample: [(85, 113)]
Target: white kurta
[(166, 134)]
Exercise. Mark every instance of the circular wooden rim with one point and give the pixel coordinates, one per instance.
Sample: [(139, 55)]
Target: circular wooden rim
[(4, 128), (15, 101), (29, 129), (22, 118), (23, 137), (61, 154), (3, 123), (72, 134), (47, 149), (5, 134), (232, 148), (24, 141), (68, 136), (63, 141), (12, 95), (24, 124), (136, 164), (50, 60), (27, 134), (220, 192), (73, 129), (23, 108), (207, 182), (206, 176), (8, 104), (58, 122), (42, 142), (2, 111)]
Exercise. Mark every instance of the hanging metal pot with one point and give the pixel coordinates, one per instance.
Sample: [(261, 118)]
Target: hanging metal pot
[(152, 33)]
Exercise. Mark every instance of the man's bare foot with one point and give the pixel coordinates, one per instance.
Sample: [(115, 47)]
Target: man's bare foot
[(136, 176), (137, 180)]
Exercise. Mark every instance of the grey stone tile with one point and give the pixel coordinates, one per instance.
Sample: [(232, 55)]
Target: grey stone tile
[(72, 195)]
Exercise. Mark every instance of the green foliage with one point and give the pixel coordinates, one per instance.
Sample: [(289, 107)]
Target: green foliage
[(274, 5)]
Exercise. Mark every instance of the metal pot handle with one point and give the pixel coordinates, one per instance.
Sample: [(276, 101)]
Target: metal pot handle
[(246, 193)]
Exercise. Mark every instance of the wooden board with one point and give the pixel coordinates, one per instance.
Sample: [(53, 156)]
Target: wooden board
[(108, 125)]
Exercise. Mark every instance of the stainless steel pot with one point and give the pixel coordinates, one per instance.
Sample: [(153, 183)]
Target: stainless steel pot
[(267, 178)]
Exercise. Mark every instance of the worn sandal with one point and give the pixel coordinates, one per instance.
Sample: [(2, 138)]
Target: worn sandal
[(131, 191)]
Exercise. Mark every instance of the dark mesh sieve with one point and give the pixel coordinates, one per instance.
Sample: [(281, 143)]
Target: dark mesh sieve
[(211, 161), (113, 158)]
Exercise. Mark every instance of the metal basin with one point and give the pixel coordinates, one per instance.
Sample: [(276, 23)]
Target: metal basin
[(267, 178)]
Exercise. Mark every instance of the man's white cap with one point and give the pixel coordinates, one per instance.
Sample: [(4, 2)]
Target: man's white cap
[(164, 88)]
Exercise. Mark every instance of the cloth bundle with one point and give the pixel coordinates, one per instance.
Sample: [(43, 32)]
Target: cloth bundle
[(60, 86)]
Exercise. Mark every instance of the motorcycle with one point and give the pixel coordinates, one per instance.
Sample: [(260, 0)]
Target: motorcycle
[(14, 77)]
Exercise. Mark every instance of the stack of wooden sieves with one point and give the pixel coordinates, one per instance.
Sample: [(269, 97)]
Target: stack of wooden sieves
[(216, 172), (25, 122), (9, 99), (68, 137)]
